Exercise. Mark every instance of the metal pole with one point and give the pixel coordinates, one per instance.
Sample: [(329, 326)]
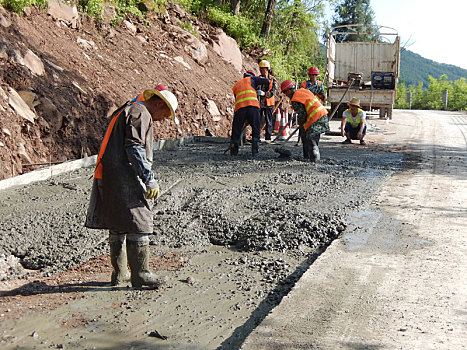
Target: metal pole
[(445, 99)]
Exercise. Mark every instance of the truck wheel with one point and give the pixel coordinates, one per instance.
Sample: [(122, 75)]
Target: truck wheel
[(390, 113), (382, 113)]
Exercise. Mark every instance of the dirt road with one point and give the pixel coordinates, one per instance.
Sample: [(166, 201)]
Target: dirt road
[(233, 237), (396, 279)]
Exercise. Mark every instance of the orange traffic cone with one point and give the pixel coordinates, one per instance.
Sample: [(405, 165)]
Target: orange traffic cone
[(277, 124), (285, 127)]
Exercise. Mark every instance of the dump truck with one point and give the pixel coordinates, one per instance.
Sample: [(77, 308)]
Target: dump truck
[(367, 70)]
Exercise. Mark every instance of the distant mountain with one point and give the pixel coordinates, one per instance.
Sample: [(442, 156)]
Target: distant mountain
[(415, 68)]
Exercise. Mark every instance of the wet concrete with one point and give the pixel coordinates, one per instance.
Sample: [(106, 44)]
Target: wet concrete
[(263, 203), (249, 227)]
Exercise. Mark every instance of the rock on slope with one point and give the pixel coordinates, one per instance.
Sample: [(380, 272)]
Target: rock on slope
[(63, 73)]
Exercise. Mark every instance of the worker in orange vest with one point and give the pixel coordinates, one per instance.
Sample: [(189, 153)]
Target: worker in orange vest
[(267, 103), (247, 109), (312, 118), (124, 184)]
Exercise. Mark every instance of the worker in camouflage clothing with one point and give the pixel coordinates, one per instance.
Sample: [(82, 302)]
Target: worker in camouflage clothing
[(312, 118)]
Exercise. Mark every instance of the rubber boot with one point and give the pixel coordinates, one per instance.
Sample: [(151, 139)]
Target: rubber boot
[(315, 156), (307, 150), (120, 273), (254, 148), (233, 149), (138, 259)]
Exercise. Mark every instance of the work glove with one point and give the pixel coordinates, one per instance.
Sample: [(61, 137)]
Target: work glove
[(152, 190)]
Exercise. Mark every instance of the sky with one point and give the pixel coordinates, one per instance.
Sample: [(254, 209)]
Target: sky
[(436, 30)]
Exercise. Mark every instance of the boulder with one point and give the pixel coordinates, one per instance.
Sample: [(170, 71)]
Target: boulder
[(19, 106), (30, 98), (4, 22), (50, 113), (197, 50), (64, 13), (130, 26), (180, 60), (227, 48), (34, 63), (23, 154), (212, 107)]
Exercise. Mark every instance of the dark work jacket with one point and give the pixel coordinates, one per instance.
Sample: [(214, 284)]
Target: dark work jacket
[(117, 200)]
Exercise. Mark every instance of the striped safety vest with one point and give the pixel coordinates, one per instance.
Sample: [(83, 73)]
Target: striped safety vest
[(314, 108), (245, 94), (358, 118)]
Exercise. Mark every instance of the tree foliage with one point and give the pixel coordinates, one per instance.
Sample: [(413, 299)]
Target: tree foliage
[(432, 98), (354, 12)]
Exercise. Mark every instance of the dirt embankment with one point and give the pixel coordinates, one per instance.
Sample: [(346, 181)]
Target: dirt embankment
[(90, 70)]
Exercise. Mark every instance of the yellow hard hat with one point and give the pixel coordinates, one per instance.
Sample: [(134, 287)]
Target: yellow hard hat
[(264, 64)]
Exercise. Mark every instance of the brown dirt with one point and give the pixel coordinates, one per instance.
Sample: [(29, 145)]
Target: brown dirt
[(96, 81), (35, 293)]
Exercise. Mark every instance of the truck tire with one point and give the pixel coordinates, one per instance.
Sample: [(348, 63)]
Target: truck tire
[(382, 113), (390, 113)]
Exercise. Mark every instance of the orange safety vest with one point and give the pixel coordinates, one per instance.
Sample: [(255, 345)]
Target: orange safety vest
[(245, 94), (314, 108), (270, 100), (303, 85), (108, 132)]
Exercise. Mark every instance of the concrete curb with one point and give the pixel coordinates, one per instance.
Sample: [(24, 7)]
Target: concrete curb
[(45, 173)]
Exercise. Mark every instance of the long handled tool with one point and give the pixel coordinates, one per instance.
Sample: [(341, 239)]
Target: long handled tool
[(340, 101), (336, 133), (285, 153)]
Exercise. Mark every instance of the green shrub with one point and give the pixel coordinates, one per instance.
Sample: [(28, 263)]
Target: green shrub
[(18, 6), (238, 27), (94, 8), (188, 26)]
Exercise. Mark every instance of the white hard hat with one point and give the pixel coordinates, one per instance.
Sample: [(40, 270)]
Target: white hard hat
[(168, 97)]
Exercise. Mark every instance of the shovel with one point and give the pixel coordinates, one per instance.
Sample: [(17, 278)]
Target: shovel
[(284, 152)]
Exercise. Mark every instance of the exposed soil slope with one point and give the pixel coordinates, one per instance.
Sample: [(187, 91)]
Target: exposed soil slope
[(87, 81)]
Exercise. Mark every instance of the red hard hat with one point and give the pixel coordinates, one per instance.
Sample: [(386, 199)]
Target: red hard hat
[(249, 73), (287, 84), (313, 70), (160, 87)]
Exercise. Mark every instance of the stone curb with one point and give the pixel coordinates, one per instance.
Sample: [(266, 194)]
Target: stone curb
[(45, 173)]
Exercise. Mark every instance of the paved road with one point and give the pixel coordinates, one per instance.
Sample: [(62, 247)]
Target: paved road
[(397, 278)]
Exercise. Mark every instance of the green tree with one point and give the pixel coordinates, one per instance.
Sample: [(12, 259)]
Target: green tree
[(435, 91), (352, 12), (457, 101), (401, 96), (293, 39), (419, 97)]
